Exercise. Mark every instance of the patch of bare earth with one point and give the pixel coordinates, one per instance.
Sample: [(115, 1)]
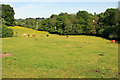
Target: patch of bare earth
[(2, 55)]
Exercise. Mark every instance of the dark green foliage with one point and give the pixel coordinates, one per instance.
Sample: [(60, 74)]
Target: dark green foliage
[(8, 15), (7, 20), (108, 30), (6, 32), (29, 22), (109, 22), (84, 15), (103, 24), (111, 17), (118, 26)]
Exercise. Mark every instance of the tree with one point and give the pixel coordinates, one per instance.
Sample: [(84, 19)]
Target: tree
[(84, 15), (93, 24), (8, 15), (103, 24), (53, 16), (111, 17)]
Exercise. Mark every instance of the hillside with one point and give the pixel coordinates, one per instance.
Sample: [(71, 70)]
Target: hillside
[(58, 56)]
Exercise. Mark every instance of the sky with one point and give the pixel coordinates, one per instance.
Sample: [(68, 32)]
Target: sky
[(59, 0), (46, 9)]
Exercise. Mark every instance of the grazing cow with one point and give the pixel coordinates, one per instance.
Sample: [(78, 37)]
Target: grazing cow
[(67, 37), (112, 41), (28, 35), (47, 35), (33, 35), (24, 35)]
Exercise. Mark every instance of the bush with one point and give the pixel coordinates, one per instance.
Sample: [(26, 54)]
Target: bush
[(6, 32)]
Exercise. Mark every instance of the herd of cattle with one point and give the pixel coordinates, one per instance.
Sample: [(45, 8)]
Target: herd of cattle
[(28, 35), (25, 35)]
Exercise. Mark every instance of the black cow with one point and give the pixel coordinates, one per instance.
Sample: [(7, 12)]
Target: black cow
[(47, 35)]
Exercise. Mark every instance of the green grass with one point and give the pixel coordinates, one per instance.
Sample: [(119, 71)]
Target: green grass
[(57, 56)]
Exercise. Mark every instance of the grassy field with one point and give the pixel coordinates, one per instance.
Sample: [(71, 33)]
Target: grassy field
[(57, 56)]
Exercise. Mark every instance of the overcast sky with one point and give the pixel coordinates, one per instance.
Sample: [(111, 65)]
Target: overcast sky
[(46, 9)]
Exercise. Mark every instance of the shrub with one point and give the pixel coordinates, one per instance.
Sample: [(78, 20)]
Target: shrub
[(6, 32)]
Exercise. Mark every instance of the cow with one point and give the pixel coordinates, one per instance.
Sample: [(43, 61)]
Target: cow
[(33, 35), (28, 35), (67, 37), (112, 41), (24, 35), (47, 35)]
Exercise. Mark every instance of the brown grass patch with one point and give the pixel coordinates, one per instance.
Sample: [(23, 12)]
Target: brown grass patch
[(2, 55)]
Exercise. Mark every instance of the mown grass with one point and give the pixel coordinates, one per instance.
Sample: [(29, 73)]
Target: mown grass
[(57, 56)]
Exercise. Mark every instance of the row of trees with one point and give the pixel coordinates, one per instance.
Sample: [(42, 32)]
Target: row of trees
[(104, 24), (7, 18), (28, 22)]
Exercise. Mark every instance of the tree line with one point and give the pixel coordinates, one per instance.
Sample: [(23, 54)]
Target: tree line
[(105, 24)]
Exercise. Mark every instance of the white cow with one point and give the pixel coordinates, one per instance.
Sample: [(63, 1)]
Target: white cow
[(24, 35)]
